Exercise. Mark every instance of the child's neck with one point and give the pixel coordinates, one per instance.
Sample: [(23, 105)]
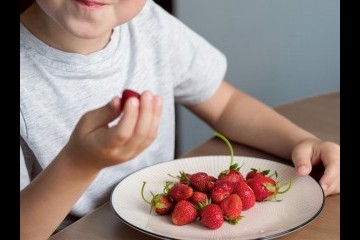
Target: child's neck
[(48, 31)]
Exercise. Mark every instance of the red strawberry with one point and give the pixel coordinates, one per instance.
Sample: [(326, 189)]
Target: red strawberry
[(231, 208), (160, 203), (198, 197), (222, 189), (212, 216), (127, 93), (212, 179), (198, 181), (233, 173), (184, 213), (163, 204), (245, 193), (210, 184), (180, 191), (183, 177), (265, 188), (255, 172)]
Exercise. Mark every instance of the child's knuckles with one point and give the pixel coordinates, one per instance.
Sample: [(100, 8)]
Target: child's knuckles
[(123, 136), (152, 136), (140, 136)]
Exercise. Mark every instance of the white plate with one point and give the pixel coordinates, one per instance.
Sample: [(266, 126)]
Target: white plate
[(266, 220)]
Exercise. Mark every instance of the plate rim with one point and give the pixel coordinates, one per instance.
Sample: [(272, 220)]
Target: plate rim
[(275, 235)]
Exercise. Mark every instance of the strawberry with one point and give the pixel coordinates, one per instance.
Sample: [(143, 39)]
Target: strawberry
[(210, 184), (160, 203), (183, 213), (163, 204), (183, 177), (212, 179), (126, 94), (246, 194), (180, 191), (212, 216), (255, 172), (265, 188), (222, 189), (231, 208), (198, 181), (198, 197), (233, 173)]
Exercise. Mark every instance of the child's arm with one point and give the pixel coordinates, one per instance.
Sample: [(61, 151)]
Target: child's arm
[(46, 201), (246, 120)]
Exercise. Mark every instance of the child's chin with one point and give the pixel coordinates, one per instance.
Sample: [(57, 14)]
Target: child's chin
[(87, 31)]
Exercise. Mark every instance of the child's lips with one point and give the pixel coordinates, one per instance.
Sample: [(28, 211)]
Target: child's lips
[(90, 3)]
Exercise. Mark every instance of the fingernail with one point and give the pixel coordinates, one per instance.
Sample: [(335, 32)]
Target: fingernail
[(133, 101), (302, 169)]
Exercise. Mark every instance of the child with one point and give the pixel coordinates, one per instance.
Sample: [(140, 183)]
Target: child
[(77, 56)]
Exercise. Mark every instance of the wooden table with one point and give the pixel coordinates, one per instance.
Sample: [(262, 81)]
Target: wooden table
[(320, 115)]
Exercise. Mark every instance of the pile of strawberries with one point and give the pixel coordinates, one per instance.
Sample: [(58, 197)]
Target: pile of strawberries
[(215, 200)]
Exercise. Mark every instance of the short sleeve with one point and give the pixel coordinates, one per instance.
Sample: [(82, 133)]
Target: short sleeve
[(24, 174), (197, 66)]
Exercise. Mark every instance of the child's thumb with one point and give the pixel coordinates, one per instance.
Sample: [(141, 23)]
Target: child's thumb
[(301, 158), (102, 116)]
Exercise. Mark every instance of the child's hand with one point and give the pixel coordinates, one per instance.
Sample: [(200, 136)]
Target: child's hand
[(311, 152), (94, 145)]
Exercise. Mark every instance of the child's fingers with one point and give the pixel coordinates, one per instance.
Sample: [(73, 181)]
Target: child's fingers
[(101, 116), (330, 181), (301, 158), (156, 119), (330, 156), (144, 121), (124, 130), (146, 129)]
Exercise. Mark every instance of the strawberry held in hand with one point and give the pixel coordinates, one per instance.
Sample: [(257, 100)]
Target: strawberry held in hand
[(127, 93)]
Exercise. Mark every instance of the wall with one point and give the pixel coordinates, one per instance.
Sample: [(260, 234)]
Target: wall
[(277, 51)]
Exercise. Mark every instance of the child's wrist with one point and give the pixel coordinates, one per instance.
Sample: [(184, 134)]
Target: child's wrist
[(76, 164)]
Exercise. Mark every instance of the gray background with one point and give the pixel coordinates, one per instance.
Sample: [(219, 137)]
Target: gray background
[(278, 51)]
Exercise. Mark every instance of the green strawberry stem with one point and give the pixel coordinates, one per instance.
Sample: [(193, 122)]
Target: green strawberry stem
[(275, 173), (167, 187), (233, 221), (287, 189), (182, 177), (142, 194), (217, 134), (172, 176)]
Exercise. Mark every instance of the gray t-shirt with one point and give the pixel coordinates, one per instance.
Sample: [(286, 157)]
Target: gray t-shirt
[(154, 51)]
